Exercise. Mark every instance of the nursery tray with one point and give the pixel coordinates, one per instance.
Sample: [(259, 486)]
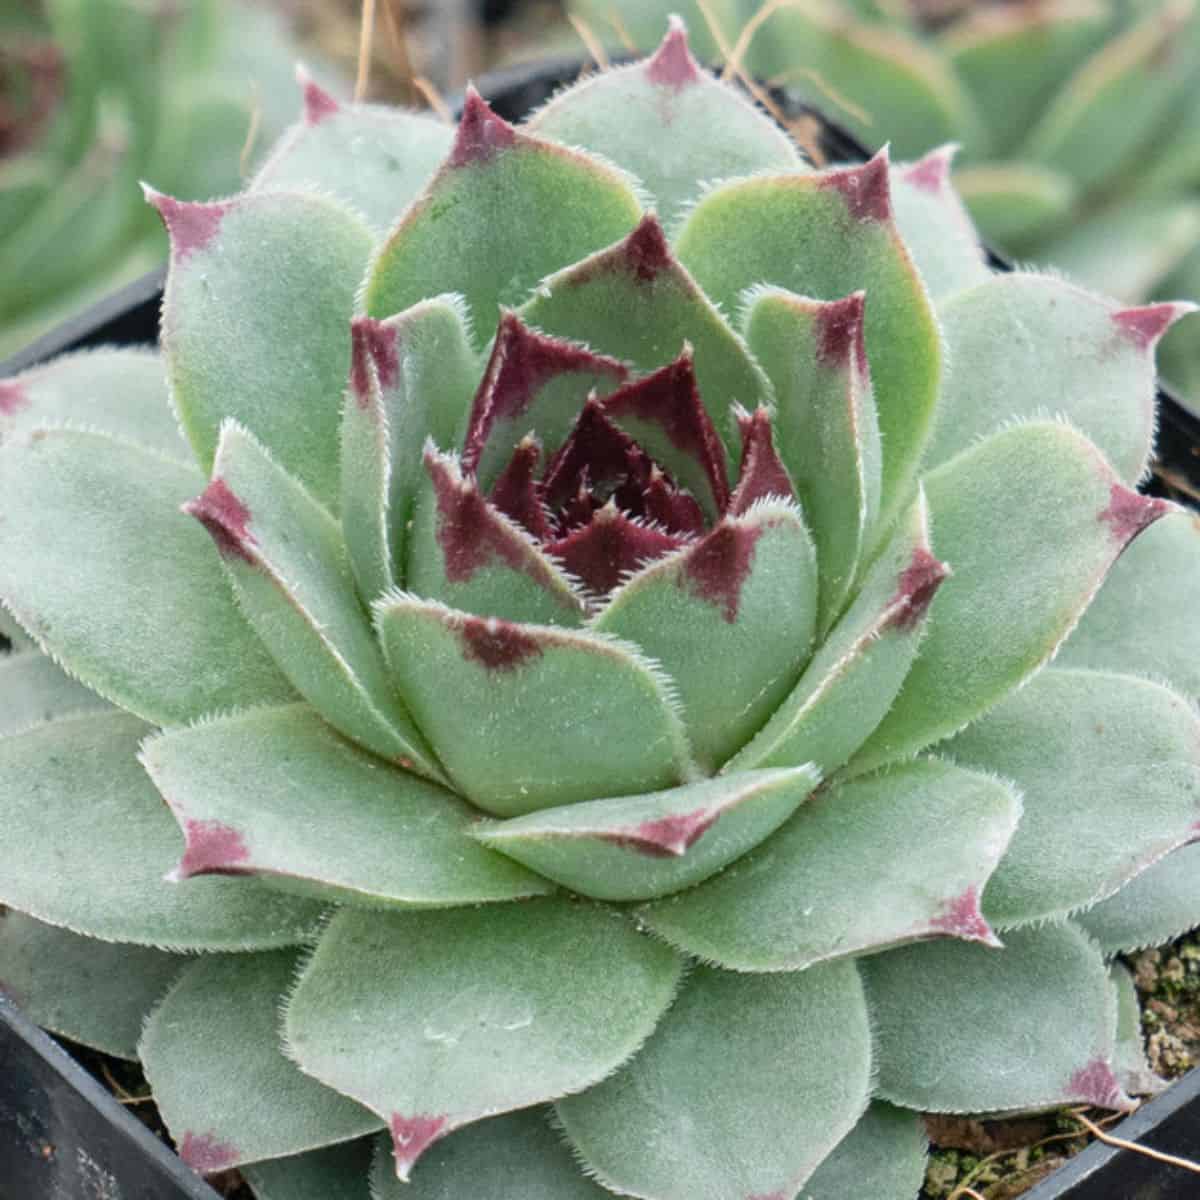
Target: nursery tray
[(63, 1137)]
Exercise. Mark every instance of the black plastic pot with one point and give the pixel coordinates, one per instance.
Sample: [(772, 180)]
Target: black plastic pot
[(63, 1137)]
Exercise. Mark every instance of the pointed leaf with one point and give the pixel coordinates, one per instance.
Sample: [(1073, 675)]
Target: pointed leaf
[(284, 553), (745, 594), (478, 687), (826, 235), (96, 840), (335, 1173), (1032, 345), (1129, 1053), (638, 847), (411, 377), (635, 301), (1038, 499), (95, 993), (221, 1080), (147, 621), (276, 791), (376, 159), (33, 689), (972, 1047), (670, 123), (914, 846), (469, 1012), (256, 329), (746, 1085), (440, 244), (882, 1156), (1015, 203)]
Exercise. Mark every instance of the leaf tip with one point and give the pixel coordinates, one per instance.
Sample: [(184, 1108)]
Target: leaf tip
[(962, 918), (225, 517), (211, 848), (319, 105), (932, 172), (672, 64), (205, 1153), (840, 330), (482, 134), (1129, 513), (190, 226), (372, 344), (13, 397), (1146, 324), (412, 1136), (866, 189), (915, 589), (1097, 1084)]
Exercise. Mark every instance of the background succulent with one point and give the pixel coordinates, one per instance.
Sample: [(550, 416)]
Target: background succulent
[(642, 712), (1078, 120)]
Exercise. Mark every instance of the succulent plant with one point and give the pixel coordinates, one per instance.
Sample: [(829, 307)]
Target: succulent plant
[(1078, 120), (607, 743)]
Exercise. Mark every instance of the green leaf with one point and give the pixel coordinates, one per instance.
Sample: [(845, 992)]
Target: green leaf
[(440, 244), (745, 593), (276, 791), (519, 1155), (826, 235), (746, 1085), (411, 377), (1014, 203), (855, 674), (883, 1156), (256, 329), (18, 640), (1035, 502), (1128, 628), (635, 301), (828, 430), (976, 1046), (376, 159), (1032, 345), (1158, 906), (122, 392), (470, 1012), (33, 690), (96, 841), (1108, 767), (668, 122), (95, 993), (147, 621), (638, 847), (501, 703), (225, 1088), (1129, 1054), (335, 1173), (914, 846), (289, 567)]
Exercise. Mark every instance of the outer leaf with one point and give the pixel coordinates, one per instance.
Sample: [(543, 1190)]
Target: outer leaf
[(913, 846), (335, 1173), (1108, 767), (1129, 1055), (105, 514), (970, 1047), (478, 687), (882, 1156), (254, 330), (747, 594), (520, 1156), (441, 244), (826, 235), (288, 564), (96, 841), (277, 792), (1162, 903), (637, 847), (468, 1012), (122, 392), (374, 158), (985, 636), (33, 689), (744, 1088), (1013, 203), (96, 993)]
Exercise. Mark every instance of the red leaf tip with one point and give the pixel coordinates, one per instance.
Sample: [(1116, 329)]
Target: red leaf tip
[(412, 1136), (372, 343), (497, 645), (1129, 513), (962, 918), (647, 250), (205, 1153), (319, 104), (719, 564), (762, 473), (481, 133), (1145, 325), (866, 189), (840, 330), (915, 590), (225, 517), (931, 173), (671, 836), (1097, 1084), (12, 397), (212, 848), (672, 64), (190, 226)]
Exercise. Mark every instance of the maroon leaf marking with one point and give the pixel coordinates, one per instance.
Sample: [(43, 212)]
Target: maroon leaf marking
[(866, 189), (497, 645), (675, 510), (840, 333), (515, 492), (670, 399), (646, 250), (1129, 513), (762, 474), (319, 105), (596, 454), (931, 173), (962, 918), (1145, 325), (610, 547), (190, 226), (522, 362), (213, 848), (226, 518), (672, 64), (671, 836), (768, 1196), (13, 397), (481, 133), (1097, 1084), (205, 1154), (412, 1136), (717, 566), (915, 590), (372, 343)]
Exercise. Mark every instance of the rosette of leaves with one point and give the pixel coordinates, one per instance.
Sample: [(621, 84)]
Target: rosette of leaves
[(543, 688), (1078, 121), (97, 94)]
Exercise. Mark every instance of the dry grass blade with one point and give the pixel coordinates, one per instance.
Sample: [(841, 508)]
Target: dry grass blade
[(1184, 1164), (622, 30), (251, 131), (429, 93), (593, 44), (366, 39)]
